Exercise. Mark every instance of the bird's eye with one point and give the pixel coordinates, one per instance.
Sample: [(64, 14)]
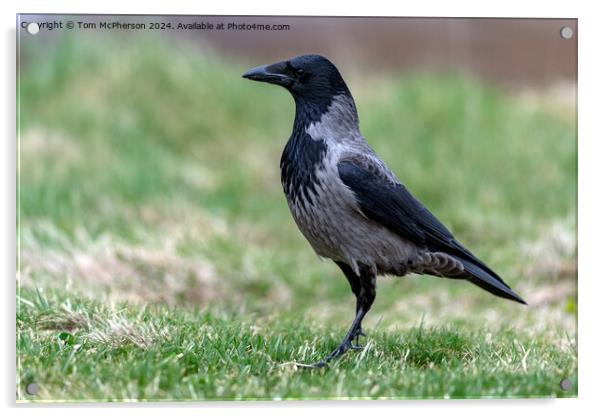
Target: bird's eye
[(300, 72)]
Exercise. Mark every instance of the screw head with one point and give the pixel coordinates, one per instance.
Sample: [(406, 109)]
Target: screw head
[(566, 32), (565, 384), (32, 389), (32, 28)]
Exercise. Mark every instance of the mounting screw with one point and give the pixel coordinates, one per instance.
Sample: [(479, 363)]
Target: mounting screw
[(566, 32), (33, 28), (32, 389), (565, 384)]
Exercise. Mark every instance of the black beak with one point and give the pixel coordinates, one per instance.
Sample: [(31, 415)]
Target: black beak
[(272, 74)]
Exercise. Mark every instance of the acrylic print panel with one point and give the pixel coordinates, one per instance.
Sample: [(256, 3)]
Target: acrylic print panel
[(160, 259)]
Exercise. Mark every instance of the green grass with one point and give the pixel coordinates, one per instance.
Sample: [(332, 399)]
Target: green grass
[(154, 353), (158, 259)]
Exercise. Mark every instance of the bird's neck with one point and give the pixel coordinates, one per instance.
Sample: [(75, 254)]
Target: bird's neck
[(334, 118)]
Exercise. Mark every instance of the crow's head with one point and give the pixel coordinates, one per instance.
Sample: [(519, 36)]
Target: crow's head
[(307, 77)]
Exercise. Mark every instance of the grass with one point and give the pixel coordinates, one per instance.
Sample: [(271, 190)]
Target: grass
[(152, 353), (158, 260)]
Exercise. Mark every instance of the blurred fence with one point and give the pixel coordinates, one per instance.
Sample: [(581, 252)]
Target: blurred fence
[(505, 51)]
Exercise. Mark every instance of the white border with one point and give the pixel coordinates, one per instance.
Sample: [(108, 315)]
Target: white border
[(589, 189)]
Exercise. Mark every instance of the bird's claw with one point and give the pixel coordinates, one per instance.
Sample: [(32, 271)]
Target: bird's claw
[(340, 350), (319, 364), (356, 338)]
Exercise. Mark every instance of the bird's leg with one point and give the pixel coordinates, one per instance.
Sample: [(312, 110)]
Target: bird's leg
[(365, 298), (355, 345), (354, 282), (355, 336)]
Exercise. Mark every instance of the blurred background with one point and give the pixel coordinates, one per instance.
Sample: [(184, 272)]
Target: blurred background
[(149, 169)]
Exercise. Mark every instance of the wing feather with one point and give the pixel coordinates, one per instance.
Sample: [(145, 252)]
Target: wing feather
[(389, 203)]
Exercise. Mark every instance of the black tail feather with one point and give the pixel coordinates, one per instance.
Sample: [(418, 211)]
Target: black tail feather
[(491, 283)]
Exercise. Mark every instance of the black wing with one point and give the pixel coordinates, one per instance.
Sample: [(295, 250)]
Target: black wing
[(391, 204)]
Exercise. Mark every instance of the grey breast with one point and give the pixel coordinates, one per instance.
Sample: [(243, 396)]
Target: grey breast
[(330, 218)]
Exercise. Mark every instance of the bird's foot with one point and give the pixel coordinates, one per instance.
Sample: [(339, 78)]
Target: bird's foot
[(346, 345), (339, 351), (356, 338), (354, 333), (319, 364)]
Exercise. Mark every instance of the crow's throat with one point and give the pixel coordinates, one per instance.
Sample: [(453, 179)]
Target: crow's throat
[(301, 158)]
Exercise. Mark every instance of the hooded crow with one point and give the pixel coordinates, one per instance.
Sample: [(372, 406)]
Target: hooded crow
[(347, 202)]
